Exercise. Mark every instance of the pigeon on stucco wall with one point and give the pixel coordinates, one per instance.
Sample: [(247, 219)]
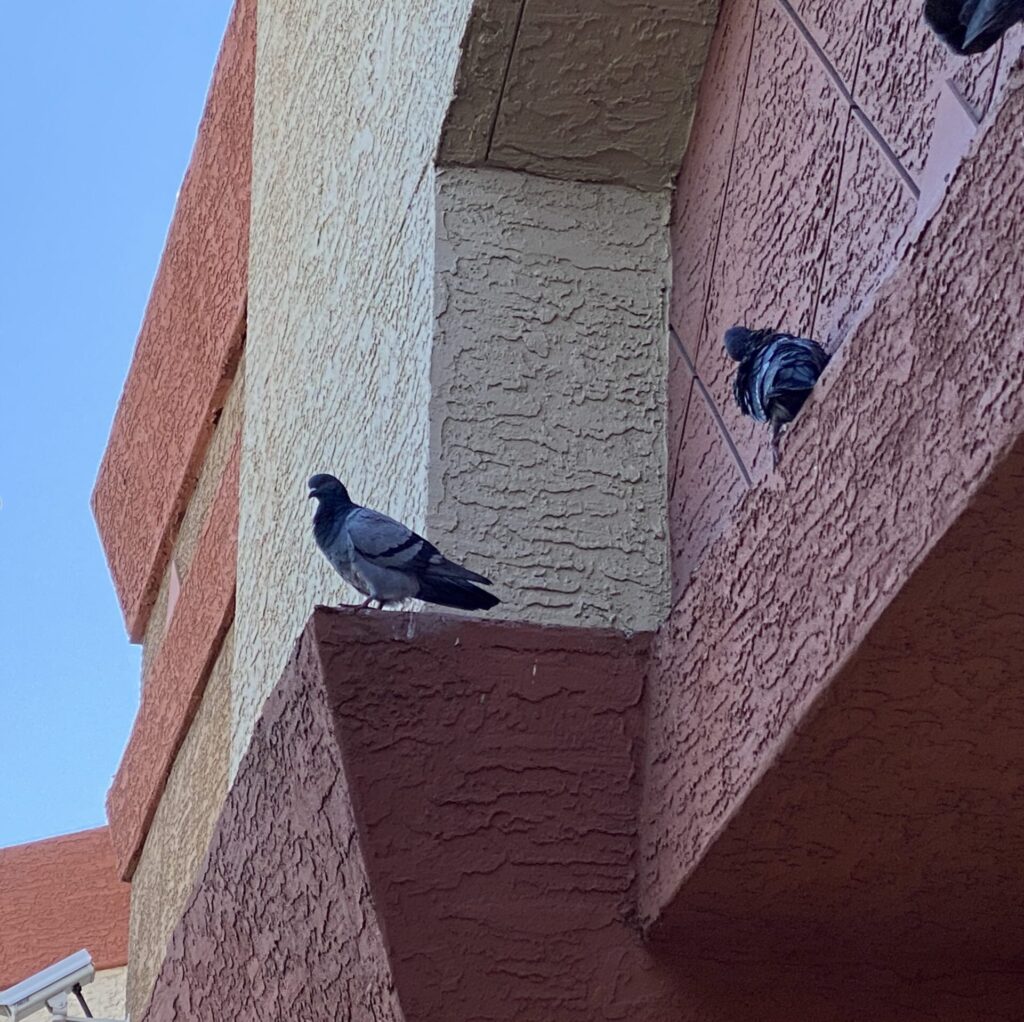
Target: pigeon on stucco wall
[(776, 374), (972, 26), (386, 561)]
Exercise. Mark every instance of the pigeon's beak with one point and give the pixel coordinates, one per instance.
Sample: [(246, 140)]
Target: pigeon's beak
[(311, 495)]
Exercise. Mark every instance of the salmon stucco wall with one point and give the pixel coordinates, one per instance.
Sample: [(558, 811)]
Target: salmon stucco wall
[(218, 454), (350, 100), (57, 896), (173, 688), (822, 134), (925, 398), (547, 413), (189, 343)]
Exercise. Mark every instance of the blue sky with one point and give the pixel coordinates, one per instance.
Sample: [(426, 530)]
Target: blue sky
[(99, 105)]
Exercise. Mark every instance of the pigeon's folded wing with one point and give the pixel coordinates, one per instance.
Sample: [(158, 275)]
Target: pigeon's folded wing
[(385, 542), (796, 366)]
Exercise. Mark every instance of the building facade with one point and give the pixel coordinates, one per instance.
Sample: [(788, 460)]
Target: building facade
[(739, 743)]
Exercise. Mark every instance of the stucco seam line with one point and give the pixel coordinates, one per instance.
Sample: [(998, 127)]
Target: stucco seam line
[(684, 414), (395, 240), (847, 94), (174, 685), (984, 112), (728, 178), (831, 221), (504, 80), (712, 408), (965, 104)]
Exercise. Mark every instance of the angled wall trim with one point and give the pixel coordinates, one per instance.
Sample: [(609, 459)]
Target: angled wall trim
[(190, 341)]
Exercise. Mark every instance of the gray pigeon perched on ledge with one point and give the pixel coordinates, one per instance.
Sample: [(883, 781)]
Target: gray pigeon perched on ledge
[(385, 560), (972, 26), (776, 374)]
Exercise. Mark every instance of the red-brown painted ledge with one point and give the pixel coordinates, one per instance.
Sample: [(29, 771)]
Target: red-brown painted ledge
[(435, 819), (190, 340), (174, 685), (57, 896)]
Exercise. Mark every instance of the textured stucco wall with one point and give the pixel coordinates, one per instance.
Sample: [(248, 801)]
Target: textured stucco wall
[(920, 403), (890, 825), (544, 87), (189, 343), (350, 98), (180, 832), (281, 923), (547, 413), (492, 765), (822, 132), (174, 686), (467, 787), (57, 896)]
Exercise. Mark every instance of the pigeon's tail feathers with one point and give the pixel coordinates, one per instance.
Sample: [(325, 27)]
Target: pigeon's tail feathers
[(452, 592), (440, 567)]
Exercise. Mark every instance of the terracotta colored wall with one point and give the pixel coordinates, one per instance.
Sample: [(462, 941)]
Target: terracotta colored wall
[(282, 923), (818, 127), (175, 446), (889, 825), (57, 896), (436, 813), (182, 559), (436, 820), (492, 769), (190, 340), (921, 404)]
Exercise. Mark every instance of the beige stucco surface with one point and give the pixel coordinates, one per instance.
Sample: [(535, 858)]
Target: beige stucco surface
[(588, 90), (350, 98), (105, 996), (547, 462), (180, 832)]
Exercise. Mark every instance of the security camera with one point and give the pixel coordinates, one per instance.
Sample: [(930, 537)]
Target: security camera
[(49, 987)]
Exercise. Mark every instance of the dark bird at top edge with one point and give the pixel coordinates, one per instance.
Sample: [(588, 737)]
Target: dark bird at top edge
[(972, 26), (776, 373), (386, 561)]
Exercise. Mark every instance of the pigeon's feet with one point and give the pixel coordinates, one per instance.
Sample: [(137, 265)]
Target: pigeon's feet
[(365, 605)]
